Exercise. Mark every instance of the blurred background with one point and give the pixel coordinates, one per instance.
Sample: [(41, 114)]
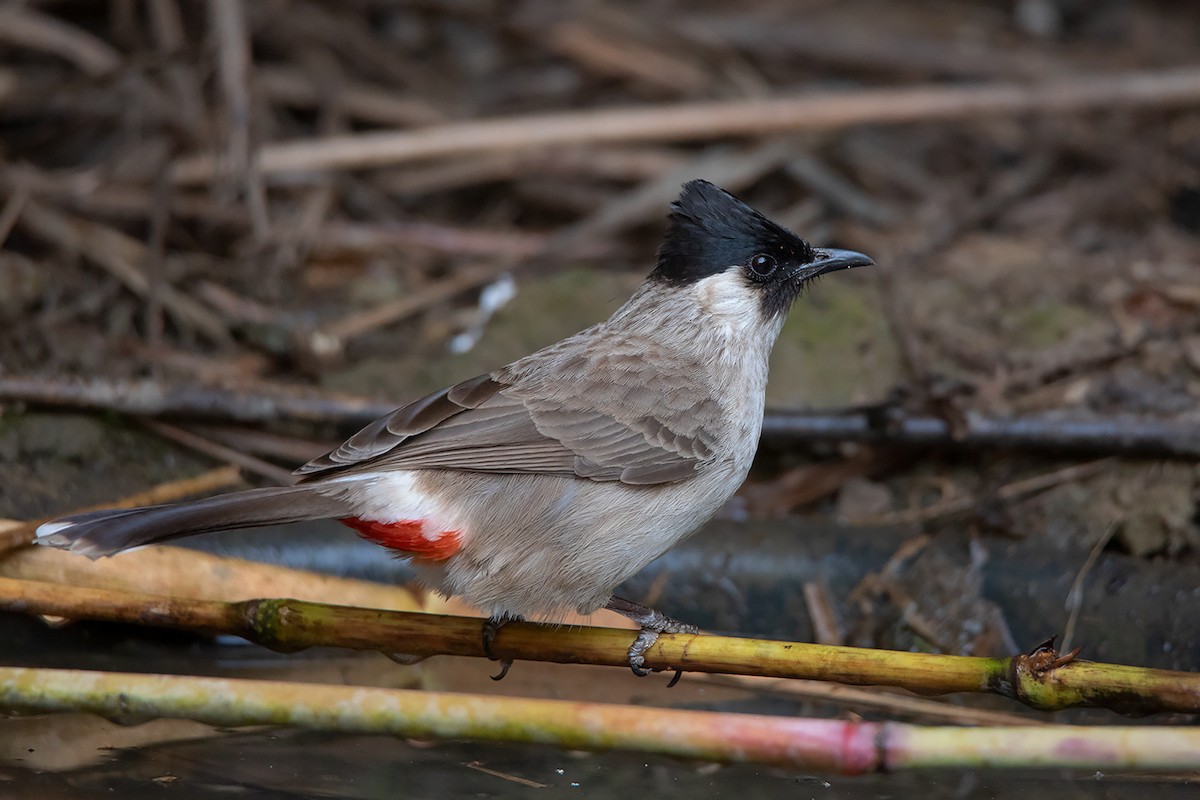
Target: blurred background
[(208, 209)]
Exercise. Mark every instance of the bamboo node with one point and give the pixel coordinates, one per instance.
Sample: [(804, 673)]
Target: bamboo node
[(269, 620)]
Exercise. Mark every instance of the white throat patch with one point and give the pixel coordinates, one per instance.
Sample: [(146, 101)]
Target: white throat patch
[(734, 302)]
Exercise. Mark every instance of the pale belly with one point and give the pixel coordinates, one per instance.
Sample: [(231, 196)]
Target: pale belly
[(540, 546)]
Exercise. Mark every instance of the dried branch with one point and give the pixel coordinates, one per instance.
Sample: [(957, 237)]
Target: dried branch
[(1119, 435), (181, 573), (121, 256), (615, 53), (21, 26), (356, 324), (693, 121), (194, 441), (628, 163), (1010, 491), (234, 64), (339, 236), (267, 403), (367, 103), (1075, 595), (156, 398)]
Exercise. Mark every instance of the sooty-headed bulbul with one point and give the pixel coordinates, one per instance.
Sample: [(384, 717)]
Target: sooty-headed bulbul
[(538, 488)]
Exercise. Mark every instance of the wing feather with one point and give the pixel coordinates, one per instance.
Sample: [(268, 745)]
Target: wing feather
[(559, 421)]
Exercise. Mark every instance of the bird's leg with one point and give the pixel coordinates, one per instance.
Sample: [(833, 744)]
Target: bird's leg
[(652, 623), (491, 627)]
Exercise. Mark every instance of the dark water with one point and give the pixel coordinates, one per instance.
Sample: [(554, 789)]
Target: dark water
[(296, 764)]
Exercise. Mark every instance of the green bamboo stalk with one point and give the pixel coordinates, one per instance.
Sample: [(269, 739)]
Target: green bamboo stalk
[(821, 745), (1041, 680)]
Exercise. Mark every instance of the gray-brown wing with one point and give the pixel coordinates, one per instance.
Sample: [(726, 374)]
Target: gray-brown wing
[(484, 425), (388, 432)]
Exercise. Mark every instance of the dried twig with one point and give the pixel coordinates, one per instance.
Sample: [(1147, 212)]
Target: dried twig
[(823, 613), (1075, 595), (367, 103), (194, 441), (154, 266), (166, 23), (615, 53), (22, 26), (895, 289), (822, 180), (234, 65), (335, 334), (1124, 435), (349, 236), (865, 47), (1010, 491), (281, 447), (122, 256), (629, 163), (714, 120), (275, 402), (119, 201), (184, 574), (158, 398), (11, 211), (730, 168)]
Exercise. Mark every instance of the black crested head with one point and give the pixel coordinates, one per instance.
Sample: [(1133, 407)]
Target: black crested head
[(709, 231)]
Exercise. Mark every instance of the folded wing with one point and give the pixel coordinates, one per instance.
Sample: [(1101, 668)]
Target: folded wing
[(486, 424)]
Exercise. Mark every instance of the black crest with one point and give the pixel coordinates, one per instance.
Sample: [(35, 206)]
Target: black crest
[(710, 230)]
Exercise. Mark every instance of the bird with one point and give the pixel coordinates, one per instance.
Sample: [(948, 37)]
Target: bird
[(536, 489)]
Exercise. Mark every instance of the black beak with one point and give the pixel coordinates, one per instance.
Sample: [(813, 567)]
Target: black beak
[(832, 261)]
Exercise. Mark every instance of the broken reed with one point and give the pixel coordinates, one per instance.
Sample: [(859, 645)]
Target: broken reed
[(1042, 679)]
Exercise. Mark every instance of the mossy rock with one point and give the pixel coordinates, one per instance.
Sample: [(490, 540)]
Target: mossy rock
[(835, 349)]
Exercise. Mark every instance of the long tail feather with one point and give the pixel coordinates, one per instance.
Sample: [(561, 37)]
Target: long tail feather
[(103, 533)]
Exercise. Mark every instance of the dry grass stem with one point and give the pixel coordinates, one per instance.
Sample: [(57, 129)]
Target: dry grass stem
[(177, 575), (21, 26), (695, 121)]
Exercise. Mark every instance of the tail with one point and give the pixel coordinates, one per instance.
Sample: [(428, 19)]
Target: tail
[(104, 533)]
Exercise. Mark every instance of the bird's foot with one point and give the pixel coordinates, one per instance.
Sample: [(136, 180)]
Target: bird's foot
[(491, 627), (652, 623)]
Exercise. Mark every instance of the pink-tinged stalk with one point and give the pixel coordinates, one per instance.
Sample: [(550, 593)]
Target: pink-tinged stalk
[(1094, 747), (815, 745)]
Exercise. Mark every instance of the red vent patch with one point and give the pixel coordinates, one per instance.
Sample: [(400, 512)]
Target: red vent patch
[(407, 536)]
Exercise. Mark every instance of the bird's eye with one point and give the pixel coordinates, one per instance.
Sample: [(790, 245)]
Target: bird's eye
[(762, 265)]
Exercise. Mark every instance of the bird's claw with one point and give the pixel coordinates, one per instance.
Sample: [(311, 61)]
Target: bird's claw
[(491, 627), (504, 665), (653, 623), (637, 651)]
